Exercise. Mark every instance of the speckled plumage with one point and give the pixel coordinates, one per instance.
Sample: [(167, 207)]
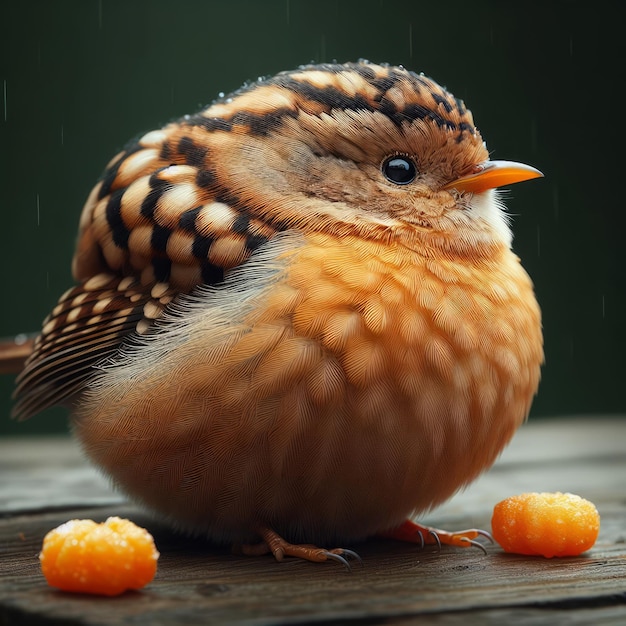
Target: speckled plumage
[(269, 332)]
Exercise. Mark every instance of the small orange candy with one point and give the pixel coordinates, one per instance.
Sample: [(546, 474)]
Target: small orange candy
[(106, 559), (546, 524)]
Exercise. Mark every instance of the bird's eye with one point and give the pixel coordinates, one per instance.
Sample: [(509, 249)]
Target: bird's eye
[(399, 170)]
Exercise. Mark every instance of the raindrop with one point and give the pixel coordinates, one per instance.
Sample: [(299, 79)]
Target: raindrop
[(5, 100), (37, 209), (61, 134), (603, 307), (221, 95), (410, 41), (571, 46)]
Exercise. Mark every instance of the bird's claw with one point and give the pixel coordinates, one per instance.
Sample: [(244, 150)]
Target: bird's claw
[(475, 544), (280, 548), (341, 555), (423, 535), (435, 536)]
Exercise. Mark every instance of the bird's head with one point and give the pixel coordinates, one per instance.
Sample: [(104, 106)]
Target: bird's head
[(375, 149), (357, 149)]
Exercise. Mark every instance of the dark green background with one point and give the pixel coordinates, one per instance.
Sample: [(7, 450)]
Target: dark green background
[(544, 81)]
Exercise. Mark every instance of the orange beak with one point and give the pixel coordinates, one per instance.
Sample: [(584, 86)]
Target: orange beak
[(492, 174)]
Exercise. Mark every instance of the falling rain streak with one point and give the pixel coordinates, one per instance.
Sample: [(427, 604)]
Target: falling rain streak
[(411, 41), (5, 100), (37, 209)]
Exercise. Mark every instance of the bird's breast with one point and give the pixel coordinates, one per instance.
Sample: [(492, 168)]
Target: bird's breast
[(339, 380)]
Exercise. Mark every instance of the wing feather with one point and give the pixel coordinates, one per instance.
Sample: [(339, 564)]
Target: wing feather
[(85, 328)]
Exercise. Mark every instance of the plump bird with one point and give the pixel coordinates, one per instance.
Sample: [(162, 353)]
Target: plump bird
[(298, 318)]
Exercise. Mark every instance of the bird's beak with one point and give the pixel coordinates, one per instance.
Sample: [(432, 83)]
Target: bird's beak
[(492, 174)]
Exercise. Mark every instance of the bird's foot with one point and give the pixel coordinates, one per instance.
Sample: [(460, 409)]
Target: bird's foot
[(425, 535), (280, 548)]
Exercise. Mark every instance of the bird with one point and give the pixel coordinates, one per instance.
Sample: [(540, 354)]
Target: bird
[(298, 320)]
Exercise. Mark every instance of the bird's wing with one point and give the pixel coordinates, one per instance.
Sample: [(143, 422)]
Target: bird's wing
[(162, 213), (85, 327), (157, 224)]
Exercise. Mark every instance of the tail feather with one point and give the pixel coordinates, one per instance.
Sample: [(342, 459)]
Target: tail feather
[(14, 351)]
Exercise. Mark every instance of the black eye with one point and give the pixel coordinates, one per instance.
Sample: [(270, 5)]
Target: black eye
[(399, 170)]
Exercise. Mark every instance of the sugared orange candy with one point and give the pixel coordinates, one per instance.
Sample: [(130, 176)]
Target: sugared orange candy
[(546, 524), (105, 559)]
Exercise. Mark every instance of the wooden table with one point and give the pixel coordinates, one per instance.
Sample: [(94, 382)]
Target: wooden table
[(45, 482)]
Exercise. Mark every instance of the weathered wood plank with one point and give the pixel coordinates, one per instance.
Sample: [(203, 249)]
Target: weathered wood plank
[(199, 584)]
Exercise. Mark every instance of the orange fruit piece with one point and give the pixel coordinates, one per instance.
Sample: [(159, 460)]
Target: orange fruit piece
[(546, 524), (107, 559)]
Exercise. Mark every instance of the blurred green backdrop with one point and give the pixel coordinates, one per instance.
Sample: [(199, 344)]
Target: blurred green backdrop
[(81, 77)]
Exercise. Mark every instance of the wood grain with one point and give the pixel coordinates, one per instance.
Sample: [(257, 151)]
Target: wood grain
[(46, 482)]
